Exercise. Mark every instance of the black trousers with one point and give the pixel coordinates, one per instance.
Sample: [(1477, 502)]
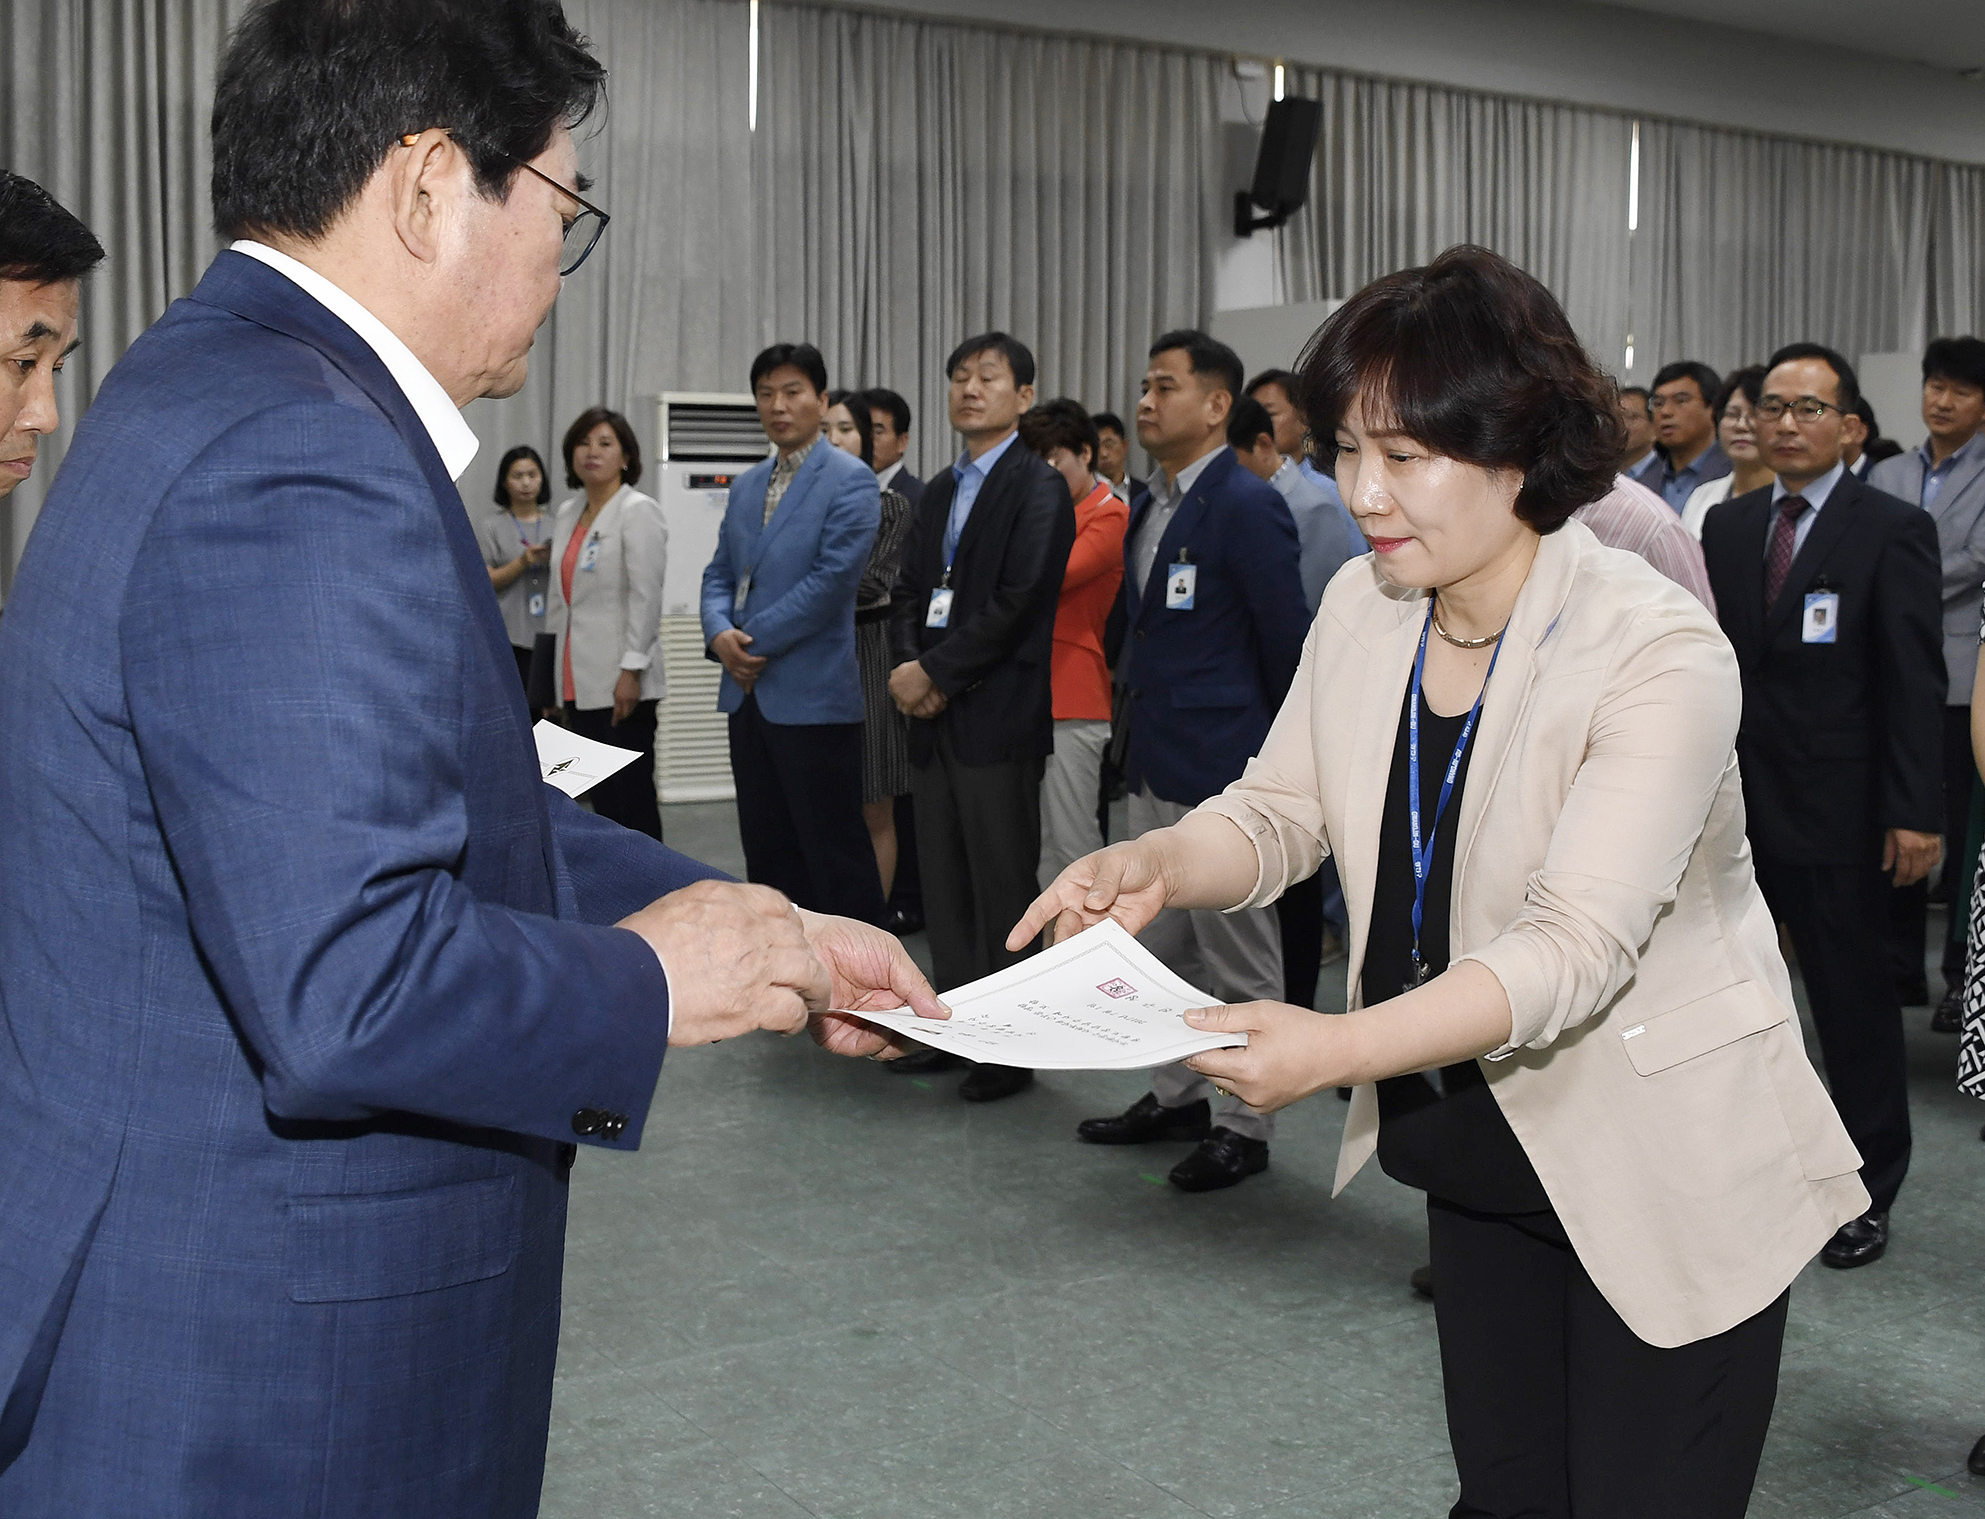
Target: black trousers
[(799, 812), (978, 843), (907, 894), (1836, 915), (523, 667), (1909, 906), (628, 795), (1557, 1410)]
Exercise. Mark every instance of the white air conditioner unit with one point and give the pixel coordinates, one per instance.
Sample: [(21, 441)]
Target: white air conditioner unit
[(707, 441)]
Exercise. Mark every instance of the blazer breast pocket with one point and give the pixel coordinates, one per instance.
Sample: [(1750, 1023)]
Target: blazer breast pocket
[(349, 1248)]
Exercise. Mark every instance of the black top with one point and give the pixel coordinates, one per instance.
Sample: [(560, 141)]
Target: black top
[(1453, 1143)]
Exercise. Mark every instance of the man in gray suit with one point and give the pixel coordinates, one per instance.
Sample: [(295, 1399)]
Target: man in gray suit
[(1946, 477)]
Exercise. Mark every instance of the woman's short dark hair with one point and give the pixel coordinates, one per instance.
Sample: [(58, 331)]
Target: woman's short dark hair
[(1748, 381), (40, 243), (630, 446), (521, 451), (1060, 423), (1472, 358), (857, 403), (313, 95)]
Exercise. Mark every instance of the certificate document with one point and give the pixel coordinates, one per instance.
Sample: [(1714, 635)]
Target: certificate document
[(1099, 1001), (573, 764)]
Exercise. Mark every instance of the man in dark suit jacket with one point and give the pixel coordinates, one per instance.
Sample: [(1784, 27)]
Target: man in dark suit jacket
[(974, 631), (1829, 592), (317, 983), (1216, 620), (891, 414)]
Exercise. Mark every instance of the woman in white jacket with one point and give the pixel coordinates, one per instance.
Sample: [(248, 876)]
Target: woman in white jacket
[(1738, 437), (609, 553)]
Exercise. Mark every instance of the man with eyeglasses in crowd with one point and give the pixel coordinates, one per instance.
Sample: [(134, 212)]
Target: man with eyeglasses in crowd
[(1829, 592), (319, 986), (1682, 404)]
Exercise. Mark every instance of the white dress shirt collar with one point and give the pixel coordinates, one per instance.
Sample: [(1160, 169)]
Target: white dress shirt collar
[(452, 437), (884, 476)]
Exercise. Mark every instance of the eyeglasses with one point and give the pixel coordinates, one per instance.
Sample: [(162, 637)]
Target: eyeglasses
[(1806, 409), (582, 232)]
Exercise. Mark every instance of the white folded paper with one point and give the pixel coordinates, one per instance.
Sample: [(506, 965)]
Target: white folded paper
[(574, 764), (1099, 1001)]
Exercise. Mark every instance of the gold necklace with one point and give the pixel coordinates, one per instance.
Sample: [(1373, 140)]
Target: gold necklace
[(1463, 643)]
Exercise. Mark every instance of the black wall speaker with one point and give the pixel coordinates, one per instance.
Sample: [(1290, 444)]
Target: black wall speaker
[(1282, 168)]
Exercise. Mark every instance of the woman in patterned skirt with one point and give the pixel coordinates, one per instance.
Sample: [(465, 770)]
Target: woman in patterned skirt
[(1971, 1046), (885, 743)]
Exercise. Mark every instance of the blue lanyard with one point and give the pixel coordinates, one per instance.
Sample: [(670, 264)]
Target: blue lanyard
[(1423, 854)]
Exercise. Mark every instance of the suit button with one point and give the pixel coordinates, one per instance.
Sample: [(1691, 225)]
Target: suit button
[(588, 1122), (1140, 632), (612, 1124), (1135, 693)]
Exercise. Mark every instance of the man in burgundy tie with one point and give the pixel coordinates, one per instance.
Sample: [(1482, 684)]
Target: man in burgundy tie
[(1830, 592)]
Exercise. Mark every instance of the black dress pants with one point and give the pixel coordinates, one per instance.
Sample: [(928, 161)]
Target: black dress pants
[(523, 667), (1837, 915), (1300, 910), (628, 795), (979, 844), (1909, 906), (799, 812), (1557, 1410)]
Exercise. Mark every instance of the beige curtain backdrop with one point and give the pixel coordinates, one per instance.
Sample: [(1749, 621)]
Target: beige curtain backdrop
[(911, 181)]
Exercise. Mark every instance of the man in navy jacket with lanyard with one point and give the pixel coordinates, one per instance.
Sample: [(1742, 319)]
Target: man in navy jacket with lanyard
[(1216, 627)]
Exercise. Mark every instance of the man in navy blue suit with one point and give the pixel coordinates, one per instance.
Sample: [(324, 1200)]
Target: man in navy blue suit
[(1216, 626), (779, 616), (308, 985)]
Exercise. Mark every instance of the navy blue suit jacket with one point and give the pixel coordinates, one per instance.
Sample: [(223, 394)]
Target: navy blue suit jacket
[(303, 976), (802, 569), (1203, 685)]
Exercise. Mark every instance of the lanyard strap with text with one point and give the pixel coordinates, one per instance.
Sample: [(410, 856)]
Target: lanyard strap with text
[(1423, 853)]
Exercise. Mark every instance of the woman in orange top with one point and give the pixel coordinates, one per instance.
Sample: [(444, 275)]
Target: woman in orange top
[(1061, 433)]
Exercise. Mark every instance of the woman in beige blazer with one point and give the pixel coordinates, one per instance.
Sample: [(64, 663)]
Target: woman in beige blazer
[(609, 555), (1582, 1043)]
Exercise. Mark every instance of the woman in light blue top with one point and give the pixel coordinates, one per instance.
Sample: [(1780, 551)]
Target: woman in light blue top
[(516, 545)]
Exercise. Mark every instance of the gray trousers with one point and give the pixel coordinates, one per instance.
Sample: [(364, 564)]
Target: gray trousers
[(1237, 956), (1070, 788)]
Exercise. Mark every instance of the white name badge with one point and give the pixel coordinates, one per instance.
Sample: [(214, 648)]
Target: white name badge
[(1180, 585), (536, 604), (1822, 620), (737, 601), (589, 556), (939, 613)]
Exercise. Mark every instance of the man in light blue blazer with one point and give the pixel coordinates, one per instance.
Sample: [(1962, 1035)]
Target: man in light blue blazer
[(779, 616), (309, 986), (1945, 476)]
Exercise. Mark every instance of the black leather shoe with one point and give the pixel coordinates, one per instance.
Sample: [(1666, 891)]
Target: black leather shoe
[(1857, 1242), (1144, 1121), (1423, 1281), (989, 1083), (1949, 1016), (1223, 1159), (924, 1063), (1976, 1465), (1913, 993)]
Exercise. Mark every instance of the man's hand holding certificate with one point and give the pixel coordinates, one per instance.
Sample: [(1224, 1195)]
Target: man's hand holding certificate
[(1098, 1001)]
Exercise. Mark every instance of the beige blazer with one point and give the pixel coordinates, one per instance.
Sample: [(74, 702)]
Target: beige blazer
[(1655, 1075), (615, 619)]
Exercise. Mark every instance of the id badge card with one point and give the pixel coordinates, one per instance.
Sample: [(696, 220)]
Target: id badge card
[(535, 606), (589, 556), (939, 613), (737, 600), (1181, 582), (1822, 620)]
